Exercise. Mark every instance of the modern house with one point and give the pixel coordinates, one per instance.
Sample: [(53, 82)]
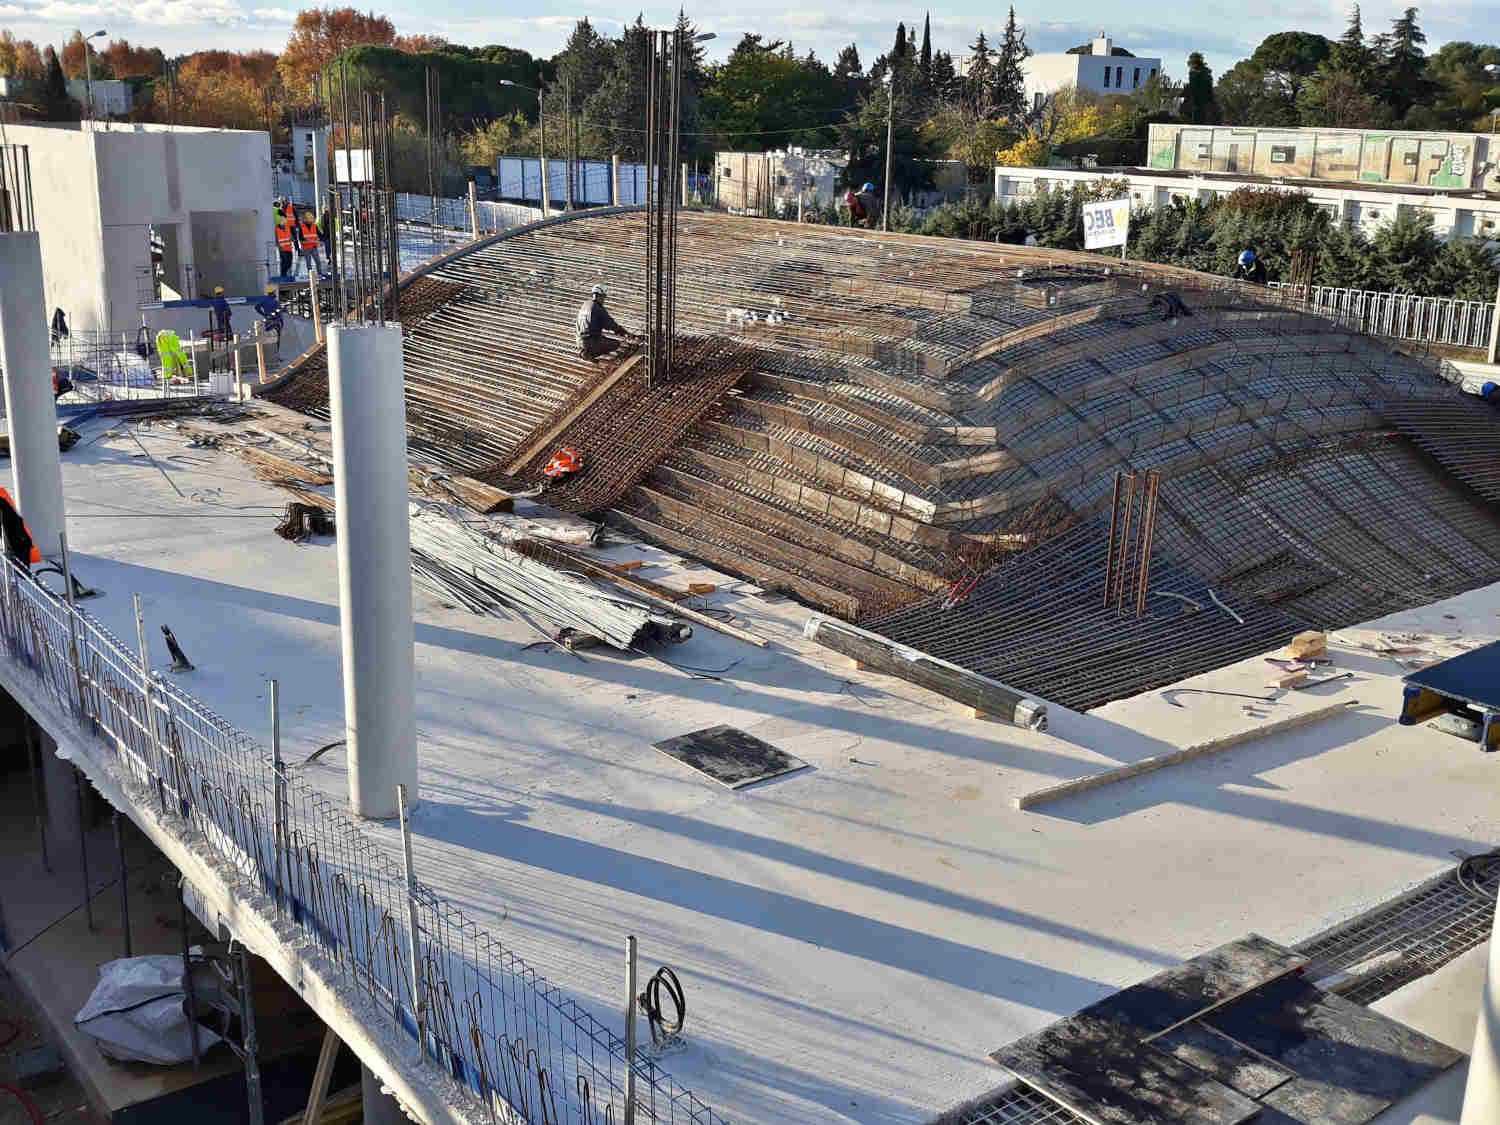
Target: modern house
[(1106, 69)]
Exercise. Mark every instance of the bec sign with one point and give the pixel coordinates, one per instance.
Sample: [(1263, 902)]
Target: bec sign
[(1106, 223)]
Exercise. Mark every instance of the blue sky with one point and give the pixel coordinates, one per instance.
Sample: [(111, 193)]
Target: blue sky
[(1223, 32)]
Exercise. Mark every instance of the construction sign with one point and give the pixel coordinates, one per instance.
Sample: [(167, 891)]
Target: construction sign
[(1106, 223)]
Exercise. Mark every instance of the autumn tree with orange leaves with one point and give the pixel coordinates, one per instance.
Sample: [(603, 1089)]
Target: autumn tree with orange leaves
[(225, 89), (320, 34), (132, 62)]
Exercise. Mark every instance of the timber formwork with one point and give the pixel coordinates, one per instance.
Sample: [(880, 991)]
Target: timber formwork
[(906, 414)]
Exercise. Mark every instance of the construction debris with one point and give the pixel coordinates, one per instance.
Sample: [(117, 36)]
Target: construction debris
[(302, 521), (1308, 645)]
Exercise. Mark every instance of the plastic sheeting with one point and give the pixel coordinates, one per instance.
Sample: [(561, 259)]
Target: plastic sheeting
[(137, 1012)]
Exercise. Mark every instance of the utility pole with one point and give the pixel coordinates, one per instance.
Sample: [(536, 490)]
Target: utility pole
[(568, 137), (890, 128)]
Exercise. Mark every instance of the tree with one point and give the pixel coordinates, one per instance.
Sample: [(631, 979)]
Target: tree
[(1405, 250), (320, 35), (945, 81), (901, 49), (924, 60), (979, 82), (863, 135), (125, 61), (1198, 105), (511, 135), (419, 44), (220, 89), (1245, 97), (73, 64), (1350, 54), (9, 56), (1290, 58), (1405, 68), (1338, 100), (619, 105), (1009, 96), (757, 95), (56, 105)]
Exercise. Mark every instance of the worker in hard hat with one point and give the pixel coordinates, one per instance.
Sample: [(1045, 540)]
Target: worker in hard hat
[(308, 241), (220, 306), (269, 308), (286, 242), (593, 322), (1251, 268), (864, 208)]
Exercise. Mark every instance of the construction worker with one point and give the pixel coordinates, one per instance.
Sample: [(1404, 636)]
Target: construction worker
[(864, 208), (1251, 268), (308, 242), (174, 361), (285, 243), (325, 234), (593, 322), (17, 536), (220, 308), (270, 311)]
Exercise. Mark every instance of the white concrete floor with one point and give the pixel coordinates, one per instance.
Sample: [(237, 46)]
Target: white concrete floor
[(853, 938)]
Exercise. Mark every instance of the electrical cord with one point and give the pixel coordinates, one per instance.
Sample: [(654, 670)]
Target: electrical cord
[(662, 1030), (1478, 870)]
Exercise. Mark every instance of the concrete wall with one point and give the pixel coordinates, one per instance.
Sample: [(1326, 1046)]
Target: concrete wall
[(112, 97), (1461, 161), (1454, 214), (98, 193)]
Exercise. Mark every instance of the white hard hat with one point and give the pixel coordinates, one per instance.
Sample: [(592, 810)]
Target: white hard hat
[(598, 290)]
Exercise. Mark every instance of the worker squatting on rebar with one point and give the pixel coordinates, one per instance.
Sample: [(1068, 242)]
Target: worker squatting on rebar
[(593, 322)]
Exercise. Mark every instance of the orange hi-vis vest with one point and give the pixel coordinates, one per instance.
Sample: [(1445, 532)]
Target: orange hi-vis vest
[(309, 233), (565, 460), (284, 235), (36, 554)]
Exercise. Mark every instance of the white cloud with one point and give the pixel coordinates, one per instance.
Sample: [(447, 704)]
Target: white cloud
[(274, 15)]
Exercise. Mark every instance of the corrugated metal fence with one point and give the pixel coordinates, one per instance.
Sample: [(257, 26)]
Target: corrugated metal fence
[(1431, 320)]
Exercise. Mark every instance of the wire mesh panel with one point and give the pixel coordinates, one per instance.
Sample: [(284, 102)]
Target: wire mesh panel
[(518, 1042), (1406, 316)]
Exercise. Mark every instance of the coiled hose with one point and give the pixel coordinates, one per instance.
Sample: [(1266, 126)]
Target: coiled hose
[(663, 1031)]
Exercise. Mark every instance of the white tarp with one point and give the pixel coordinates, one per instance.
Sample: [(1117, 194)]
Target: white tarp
[(137, 1012), (1106, 223)]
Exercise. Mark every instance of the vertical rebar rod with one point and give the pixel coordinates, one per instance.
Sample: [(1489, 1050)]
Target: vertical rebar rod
[(1143, 583), (414, 941), (1109, 557), (280, 796), (83, 849), (124, 884), (154, 754), (189, 986), (1119, 593), (630, 986)]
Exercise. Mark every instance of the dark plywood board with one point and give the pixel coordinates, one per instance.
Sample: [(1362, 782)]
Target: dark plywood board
[(1473, 677), (1349, 1060), (1185, 991), (730, 756), (1310, 1102), (1104, 1074), (1223, 1059)]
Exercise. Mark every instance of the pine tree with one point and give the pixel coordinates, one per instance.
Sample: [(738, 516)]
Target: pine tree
[(925, 60), (944, 79), (1009, 96), (1406, 65), (56, 104), (1350, 54), (1198, 104), (979, 82), (898, 53)]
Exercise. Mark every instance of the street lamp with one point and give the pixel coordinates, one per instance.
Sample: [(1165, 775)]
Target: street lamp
[(88, 67), (541, 125)]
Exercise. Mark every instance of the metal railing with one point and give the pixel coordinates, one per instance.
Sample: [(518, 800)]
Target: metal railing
[(488, 1020), (1404, 316)]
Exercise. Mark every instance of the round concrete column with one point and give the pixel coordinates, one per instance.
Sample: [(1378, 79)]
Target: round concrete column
[(1482, 1090), (30, 409), (367, 397)]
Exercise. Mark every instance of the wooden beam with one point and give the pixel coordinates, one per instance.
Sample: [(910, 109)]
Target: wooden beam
[(326, 1056), (554, 431)]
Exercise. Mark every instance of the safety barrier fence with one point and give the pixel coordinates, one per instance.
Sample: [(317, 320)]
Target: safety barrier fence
[(1404, 316), (113, 366), (484, 1017)]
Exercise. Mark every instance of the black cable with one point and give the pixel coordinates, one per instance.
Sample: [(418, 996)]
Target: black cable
[(1475, 872), (663, 1032)]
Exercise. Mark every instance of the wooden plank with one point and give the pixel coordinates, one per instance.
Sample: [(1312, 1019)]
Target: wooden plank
[(1185, 992), (482, 498), (1173, 757), (553, 432), (329, 1052), (1100, 1072), (1224, 1060)]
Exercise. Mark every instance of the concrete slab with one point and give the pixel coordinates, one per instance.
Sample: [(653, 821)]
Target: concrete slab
[(854, 937)]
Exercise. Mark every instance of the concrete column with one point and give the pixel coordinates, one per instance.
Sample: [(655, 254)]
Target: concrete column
[(614, 170), (474, 208), (380, 1109), (1482, 1091), (546, 191), (36, 469), (320, 168), (367, 396)]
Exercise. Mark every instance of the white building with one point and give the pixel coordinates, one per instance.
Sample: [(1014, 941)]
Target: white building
[(1454, 213), (112, 97), (1101, 71), (757, 181), (103, 196)]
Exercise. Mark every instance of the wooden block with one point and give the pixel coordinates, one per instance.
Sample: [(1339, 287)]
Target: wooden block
[(857, 665), (1290, 679), (1308, 644), (975, 713), (621, 568), (701, 587)]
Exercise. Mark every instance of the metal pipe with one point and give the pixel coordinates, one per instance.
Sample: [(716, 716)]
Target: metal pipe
[(630, 989), (279, 767), (414, 937)]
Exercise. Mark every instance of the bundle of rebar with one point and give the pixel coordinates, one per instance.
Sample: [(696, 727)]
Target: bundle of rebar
[(487, 576)]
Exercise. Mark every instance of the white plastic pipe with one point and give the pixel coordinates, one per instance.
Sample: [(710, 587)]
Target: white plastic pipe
[(367, 397), (36, 469), (1482, 1090)]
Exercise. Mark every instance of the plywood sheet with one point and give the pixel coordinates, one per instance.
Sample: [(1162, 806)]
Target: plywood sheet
[(729, 756), (1103, 1073), (1223, 1059), (1184, 991), (1350, 1062)]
